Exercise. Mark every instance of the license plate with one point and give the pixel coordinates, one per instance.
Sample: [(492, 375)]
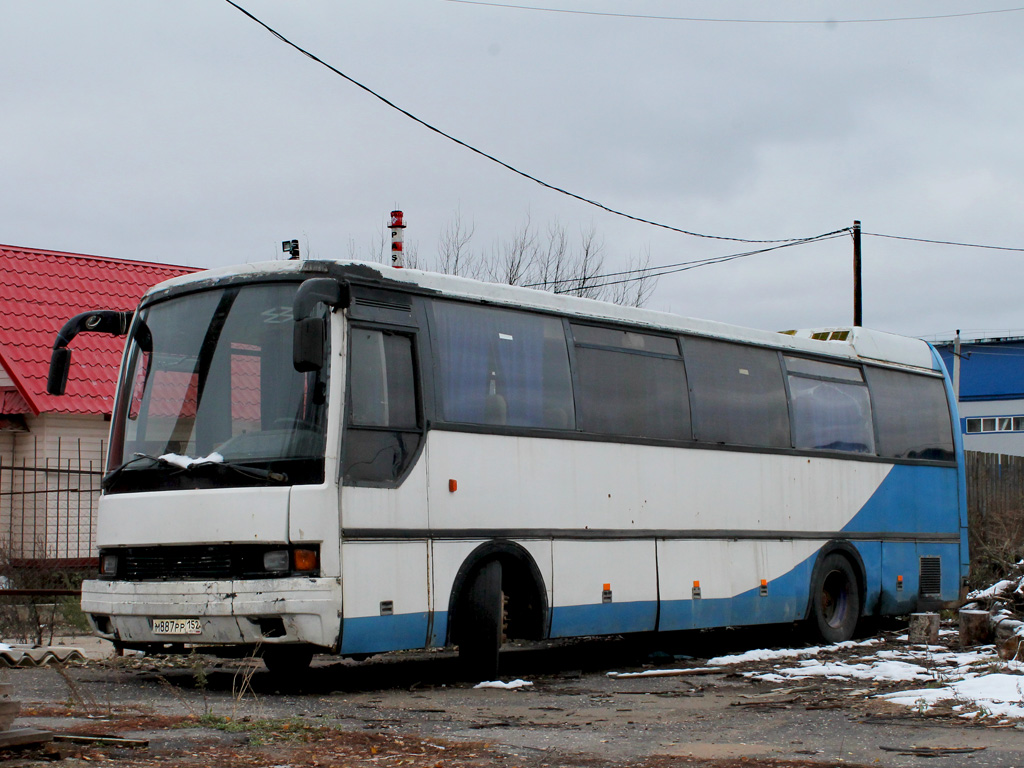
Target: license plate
[(177, 627)]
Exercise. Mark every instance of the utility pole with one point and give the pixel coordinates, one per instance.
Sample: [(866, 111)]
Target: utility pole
[(956, 366), (858, 313)]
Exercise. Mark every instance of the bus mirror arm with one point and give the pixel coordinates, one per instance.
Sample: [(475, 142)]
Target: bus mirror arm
[(308, 336), (100, 321)]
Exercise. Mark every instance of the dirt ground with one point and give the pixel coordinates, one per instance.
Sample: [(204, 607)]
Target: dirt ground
[(414, 710)]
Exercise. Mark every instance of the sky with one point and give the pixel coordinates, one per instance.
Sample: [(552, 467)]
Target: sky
[(183, 132)]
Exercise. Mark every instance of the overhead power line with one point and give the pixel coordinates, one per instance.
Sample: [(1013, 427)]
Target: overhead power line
[(641, 273), (943, 242), (644, 273), (712, 20), (494, 159)]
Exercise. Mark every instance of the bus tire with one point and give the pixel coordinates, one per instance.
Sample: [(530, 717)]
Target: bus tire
[(287, 661), (482, 623), (835, 599)]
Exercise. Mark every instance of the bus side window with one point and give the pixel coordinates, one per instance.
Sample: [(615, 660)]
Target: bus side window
[(912, 414), (383, 429), (502, 368), (738, 395), (630, 384), (830, 406)]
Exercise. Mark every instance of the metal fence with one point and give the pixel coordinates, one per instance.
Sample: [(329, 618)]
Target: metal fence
[(48, 516), (995, 514)]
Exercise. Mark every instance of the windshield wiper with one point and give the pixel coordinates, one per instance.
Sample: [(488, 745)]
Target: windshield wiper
[(111, 478), (242, 469)]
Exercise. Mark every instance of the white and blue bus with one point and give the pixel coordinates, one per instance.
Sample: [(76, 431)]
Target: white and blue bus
[(344, 458)]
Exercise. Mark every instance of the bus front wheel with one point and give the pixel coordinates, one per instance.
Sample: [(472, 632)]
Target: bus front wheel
[(287, 661), (836, 599), (482, 621)]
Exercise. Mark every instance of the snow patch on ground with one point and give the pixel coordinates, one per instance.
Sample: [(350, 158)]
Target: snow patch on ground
[(995, 695), (511, 685), (978, 681)]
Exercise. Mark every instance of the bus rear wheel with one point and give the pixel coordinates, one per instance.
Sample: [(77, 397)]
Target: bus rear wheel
[(482, 623), (836, 599)]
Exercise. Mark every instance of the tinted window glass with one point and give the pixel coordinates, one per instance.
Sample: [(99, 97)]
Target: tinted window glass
[(382, 392), (501, 367), (829, 415), (632, 394), (912, 415), (737, 394), (823, 369), (830, 406), (382, 434), (609, 337)]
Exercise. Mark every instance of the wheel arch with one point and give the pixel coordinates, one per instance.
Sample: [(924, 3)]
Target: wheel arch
[(521, 577), (847, 550)]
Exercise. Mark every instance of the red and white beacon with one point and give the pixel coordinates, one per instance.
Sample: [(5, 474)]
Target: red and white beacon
[(397, 240)]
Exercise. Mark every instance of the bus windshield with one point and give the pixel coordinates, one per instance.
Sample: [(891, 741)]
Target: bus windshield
[(209, 377)]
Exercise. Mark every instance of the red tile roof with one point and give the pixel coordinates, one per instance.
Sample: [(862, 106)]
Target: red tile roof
[(39, 292)]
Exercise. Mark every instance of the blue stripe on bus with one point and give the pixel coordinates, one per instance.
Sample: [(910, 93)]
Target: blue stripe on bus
[(439, 630), (912, 500), (376, 634), (786, 601), (604, 618)]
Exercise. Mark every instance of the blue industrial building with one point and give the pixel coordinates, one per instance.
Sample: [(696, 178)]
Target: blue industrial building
[(991, 393)]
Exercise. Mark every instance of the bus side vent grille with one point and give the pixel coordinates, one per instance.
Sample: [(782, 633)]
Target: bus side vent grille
[(931, 576), (381, 304)]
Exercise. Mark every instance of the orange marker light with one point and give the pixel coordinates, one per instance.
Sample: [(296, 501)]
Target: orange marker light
[(696, 585), (453, 486), (764, 582), (305, 559), (607, 587)]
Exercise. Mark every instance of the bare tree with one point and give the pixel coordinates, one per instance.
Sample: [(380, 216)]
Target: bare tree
[(634, 288), (453, 254), (513, 262)]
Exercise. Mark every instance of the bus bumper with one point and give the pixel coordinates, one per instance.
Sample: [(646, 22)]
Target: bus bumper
[(271, 611)]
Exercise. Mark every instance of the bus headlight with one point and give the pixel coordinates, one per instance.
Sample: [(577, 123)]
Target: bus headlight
[(276, 560)]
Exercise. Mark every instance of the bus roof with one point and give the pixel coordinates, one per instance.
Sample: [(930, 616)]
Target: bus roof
[(854, 343)]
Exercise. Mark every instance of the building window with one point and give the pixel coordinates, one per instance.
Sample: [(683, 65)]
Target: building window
[(980, 424)]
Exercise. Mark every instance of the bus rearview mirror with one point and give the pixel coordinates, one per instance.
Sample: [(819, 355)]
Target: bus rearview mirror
[(308, 344), (309, 332), (60, 364)]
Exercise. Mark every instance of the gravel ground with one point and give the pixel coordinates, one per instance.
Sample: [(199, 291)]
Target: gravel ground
[(413, 709)]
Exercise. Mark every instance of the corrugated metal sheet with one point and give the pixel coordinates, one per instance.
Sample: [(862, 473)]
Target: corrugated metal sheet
[(39, 292)]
